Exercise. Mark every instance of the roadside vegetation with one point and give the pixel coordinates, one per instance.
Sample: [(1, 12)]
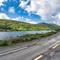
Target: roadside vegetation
[(13, 26), (9, 25), (25, 38)]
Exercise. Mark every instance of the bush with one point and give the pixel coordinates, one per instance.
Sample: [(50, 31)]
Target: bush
[(3, 43)]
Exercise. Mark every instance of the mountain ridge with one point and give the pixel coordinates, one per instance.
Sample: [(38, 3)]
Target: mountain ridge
[(11, 25)]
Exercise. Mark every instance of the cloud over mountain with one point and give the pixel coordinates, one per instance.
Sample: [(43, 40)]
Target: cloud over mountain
[(32, 10)]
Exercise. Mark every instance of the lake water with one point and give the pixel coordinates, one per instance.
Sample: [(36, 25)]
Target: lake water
[(8, 35)]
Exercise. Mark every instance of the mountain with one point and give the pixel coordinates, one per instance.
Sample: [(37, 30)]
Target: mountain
[(51, 26), (9, 25)]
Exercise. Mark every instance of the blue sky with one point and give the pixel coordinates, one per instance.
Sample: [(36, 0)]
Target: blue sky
[(31, 11)]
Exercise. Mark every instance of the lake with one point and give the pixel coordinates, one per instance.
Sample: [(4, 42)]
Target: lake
[(11, 35)]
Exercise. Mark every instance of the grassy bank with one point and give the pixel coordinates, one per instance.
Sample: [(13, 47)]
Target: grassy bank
[(25, 38)]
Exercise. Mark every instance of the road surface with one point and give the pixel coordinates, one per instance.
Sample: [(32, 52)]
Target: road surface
[(51, 54), (28, 50)]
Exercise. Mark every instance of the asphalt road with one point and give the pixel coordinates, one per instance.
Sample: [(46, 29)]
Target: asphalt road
[(28, 51), (50, 54)]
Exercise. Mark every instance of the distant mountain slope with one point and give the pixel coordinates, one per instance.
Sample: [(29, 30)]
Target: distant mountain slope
[(9, 25), (51, 26)]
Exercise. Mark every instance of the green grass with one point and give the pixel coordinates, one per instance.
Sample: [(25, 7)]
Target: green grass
[(9, 25), (25, 38)]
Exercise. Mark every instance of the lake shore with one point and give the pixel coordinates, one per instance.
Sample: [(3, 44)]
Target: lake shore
[(25, 38)]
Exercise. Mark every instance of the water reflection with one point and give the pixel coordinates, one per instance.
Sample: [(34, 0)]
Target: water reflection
[(8, 35)]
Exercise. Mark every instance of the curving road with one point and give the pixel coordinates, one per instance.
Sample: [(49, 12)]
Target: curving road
[(51, 54), (29, 50)]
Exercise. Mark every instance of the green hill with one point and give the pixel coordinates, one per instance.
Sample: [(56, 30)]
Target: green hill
[(9, 25), (51, 26)]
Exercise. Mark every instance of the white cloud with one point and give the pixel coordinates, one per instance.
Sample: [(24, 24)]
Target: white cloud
[(11, 10), (41, 7), (1, 2), (36, 5), (28, 9), (33, 6), (24, 20), (3, 16), (23, 3), (30, 21), (56, 19), (45, 9), (58, 16)]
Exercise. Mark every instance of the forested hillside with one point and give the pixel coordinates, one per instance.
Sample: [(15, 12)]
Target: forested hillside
[(9, 25)]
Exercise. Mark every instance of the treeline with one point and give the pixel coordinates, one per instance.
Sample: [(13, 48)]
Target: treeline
[(9, 25)]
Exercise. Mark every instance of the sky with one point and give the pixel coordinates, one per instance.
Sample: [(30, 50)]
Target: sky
[(31, 11)]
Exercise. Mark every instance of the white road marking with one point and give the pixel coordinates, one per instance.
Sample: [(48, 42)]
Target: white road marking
[(57, 43), (2, 54), (39, 57), (55, 46)]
